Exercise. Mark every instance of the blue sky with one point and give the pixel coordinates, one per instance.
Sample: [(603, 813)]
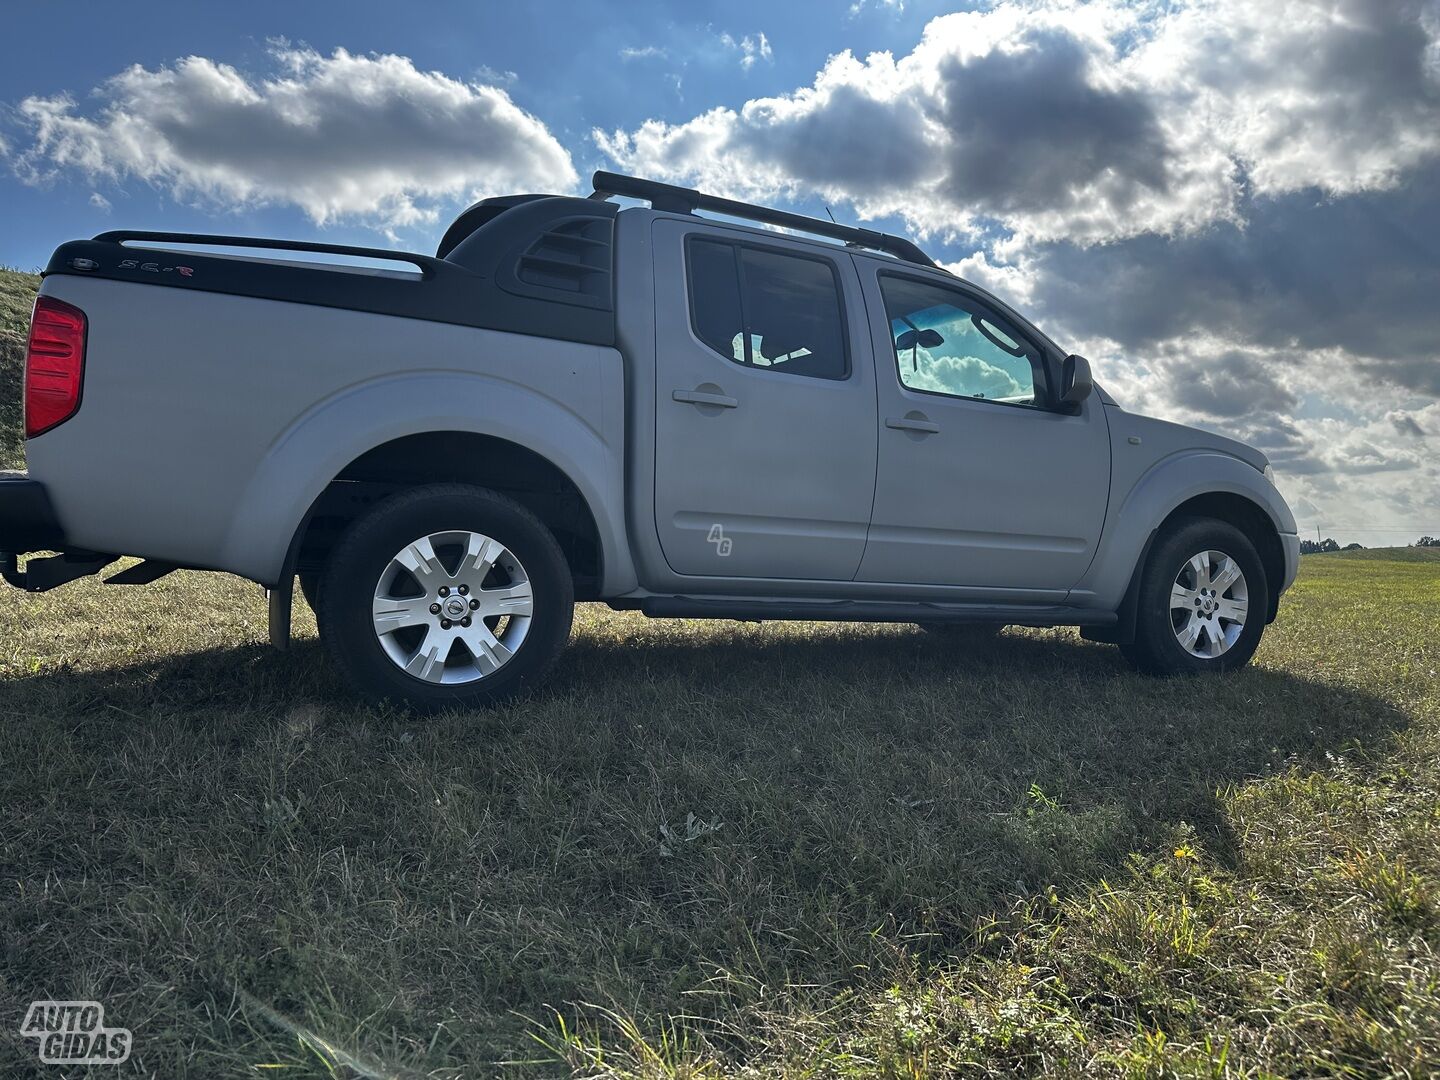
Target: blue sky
[(1231, 207), (565, 59)]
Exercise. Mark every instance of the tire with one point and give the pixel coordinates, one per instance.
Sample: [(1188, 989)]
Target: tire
[(1193, 616), (963, 633), (310, 588), (446, 544)]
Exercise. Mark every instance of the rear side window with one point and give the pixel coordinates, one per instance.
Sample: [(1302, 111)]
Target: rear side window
[(766, 309)]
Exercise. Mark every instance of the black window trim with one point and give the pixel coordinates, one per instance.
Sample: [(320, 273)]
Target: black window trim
[(985, 307), (698, 236)]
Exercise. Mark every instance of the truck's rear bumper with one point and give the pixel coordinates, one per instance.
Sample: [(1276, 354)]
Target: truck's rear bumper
[(27, 524), (27, 520)]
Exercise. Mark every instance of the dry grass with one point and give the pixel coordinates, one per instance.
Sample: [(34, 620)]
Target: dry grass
[(901, 861)]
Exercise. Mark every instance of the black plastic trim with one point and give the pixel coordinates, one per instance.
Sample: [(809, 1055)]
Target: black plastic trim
[(142, 573), (671, 198), (52, 571), (466, 290), (27, 518), (1123, 632), (477, 215)]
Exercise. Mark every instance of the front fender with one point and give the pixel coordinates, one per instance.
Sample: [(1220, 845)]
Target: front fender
[(322, 442), (1166, 485)]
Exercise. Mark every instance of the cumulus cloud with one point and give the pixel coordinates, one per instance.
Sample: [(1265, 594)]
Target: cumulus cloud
[(967, 376), (370, 138), (1083, 122), (1303, 275)]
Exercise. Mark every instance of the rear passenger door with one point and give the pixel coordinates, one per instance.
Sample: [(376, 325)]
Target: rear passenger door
[(765, 406)]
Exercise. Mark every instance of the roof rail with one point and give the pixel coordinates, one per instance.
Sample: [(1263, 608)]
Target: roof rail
[(681, 200)]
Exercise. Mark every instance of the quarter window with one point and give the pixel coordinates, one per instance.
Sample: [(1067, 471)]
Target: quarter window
[(765, 309), (945, 343)]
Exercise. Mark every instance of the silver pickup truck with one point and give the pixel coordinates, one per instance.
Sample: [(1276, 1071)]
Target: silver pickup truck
[(685, 415)]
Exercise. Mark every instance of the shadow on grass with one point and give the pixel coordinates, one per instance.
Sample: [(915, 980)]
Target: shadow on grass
[(788, 805)]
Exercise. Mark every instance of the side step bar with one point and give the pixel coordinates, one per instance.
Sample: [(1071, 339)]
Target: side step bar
[(748, 610)]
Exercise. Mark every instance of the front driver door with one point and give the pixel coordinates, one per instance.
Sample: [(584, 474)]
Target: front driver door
[(982, 482), (764, 407)]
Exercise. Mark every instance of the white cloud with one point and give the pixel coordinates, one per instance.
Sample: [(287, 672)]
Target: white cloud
[(751, 47), (1082, 121), (99, 201), (645, 52), (1343, 95), (370, 138), (1352, 456)]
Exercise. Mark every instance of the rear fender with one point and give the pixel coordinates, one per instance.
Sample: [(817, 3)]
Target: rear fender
[(318, 447)]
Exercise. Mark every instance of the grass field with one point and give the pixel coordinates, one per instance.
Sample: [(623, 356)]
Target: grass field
[(727, 850), (901, 862)]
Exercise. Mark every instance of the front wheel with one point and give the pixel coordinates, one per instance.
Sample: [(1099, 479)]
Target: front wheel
[(447, 595), (1202, 603)]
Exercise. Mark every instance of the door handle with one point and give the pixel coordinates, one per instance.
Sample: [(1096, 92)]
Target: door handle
[(700, 397), (912, 423)]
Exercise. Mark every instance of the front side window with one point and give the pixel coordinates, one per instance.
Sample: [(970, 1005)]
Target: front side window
[(947, 344), (766, 309)]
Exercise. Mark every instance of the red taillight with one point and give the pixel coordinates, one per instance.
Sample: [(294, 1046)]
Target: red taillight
[(54, 365)]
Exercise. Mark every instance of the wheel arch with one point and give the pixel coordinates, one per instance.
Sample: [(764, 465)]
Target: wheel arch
[(1199, 484), (1252, 520), (431, 428), (464, 457)]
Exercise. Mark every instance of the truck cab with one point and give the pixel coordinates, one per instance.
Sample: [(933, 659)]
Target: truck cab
[(671, 412)]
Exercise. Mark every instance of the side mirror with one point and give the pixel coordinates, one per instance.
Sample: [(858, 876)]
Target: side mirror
[(1076, 383)]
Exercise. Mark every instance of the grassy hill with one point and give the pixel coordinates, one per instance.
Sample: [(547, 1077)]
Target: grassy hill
[(17, 295)]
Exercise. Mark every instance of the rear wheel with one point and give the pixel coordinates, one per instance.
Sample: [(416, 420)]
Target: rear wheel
[(1202, 603), (447, 595)]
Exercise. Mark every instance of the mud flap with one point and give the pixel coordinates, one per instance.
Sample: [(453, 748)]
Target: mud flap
[(282, 601)]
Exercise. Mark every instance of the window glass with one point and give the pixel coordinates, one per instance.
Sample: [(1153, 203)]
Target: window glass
[(945, 344), (766, 309), (715, 298)]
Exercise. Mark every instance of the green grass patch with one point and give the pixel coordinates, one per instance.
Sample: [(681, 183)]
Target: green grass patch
[(726, 850)]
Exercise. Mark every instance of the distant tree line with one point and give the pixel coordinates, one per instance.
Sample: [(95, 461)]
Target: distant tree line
[(1316, 547)]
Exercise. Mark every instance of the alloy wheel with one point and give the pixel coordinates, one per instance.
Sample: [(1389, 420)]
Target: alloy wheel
[(1209, 602), (453, 607)]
